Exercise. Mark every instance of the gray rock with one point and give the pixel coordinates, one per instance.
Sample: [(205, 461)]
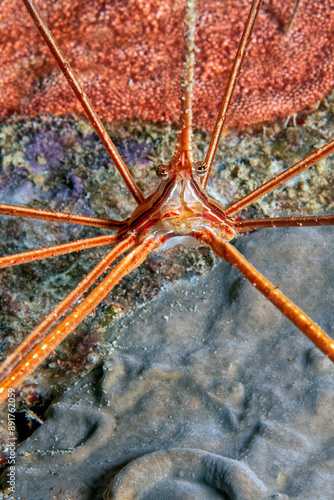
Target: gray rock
[(208, 365), (203, 362), (186, 474)]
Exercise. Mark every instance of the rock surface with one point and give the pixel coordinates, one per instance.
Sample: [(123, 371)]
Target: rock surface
[(203, 361), (211, 365)]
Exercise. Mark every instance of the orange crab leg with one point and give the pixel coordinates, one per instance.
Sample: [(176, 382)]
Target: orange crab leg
[(44, 253), (230, 88), (185, 139), (37, 334), (34, 213), (34, 358), (280, 179), (305, 324), (246, 225), (84, 101)]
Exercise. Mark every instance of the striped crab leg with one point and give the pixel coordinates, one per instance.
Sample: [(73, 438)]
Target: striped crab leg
[(305, 324), (35, 356)]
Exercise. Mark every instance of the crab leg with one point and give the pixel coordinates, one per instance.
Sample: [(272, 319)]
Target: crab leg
[(246, 225), (280, 179), (305, 324), (230, 88), (37, 334), (84, 101), (44, 253), (34, 358), (185, 139), (34, 213)]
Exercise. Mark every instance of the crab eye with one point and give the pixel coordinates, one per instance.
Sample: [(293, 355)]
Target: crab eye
[(162, 171), (201, 167)]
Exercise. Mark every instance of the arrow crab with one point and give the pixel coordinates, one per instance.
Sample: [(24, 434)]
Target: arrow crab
[(179, 211)]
